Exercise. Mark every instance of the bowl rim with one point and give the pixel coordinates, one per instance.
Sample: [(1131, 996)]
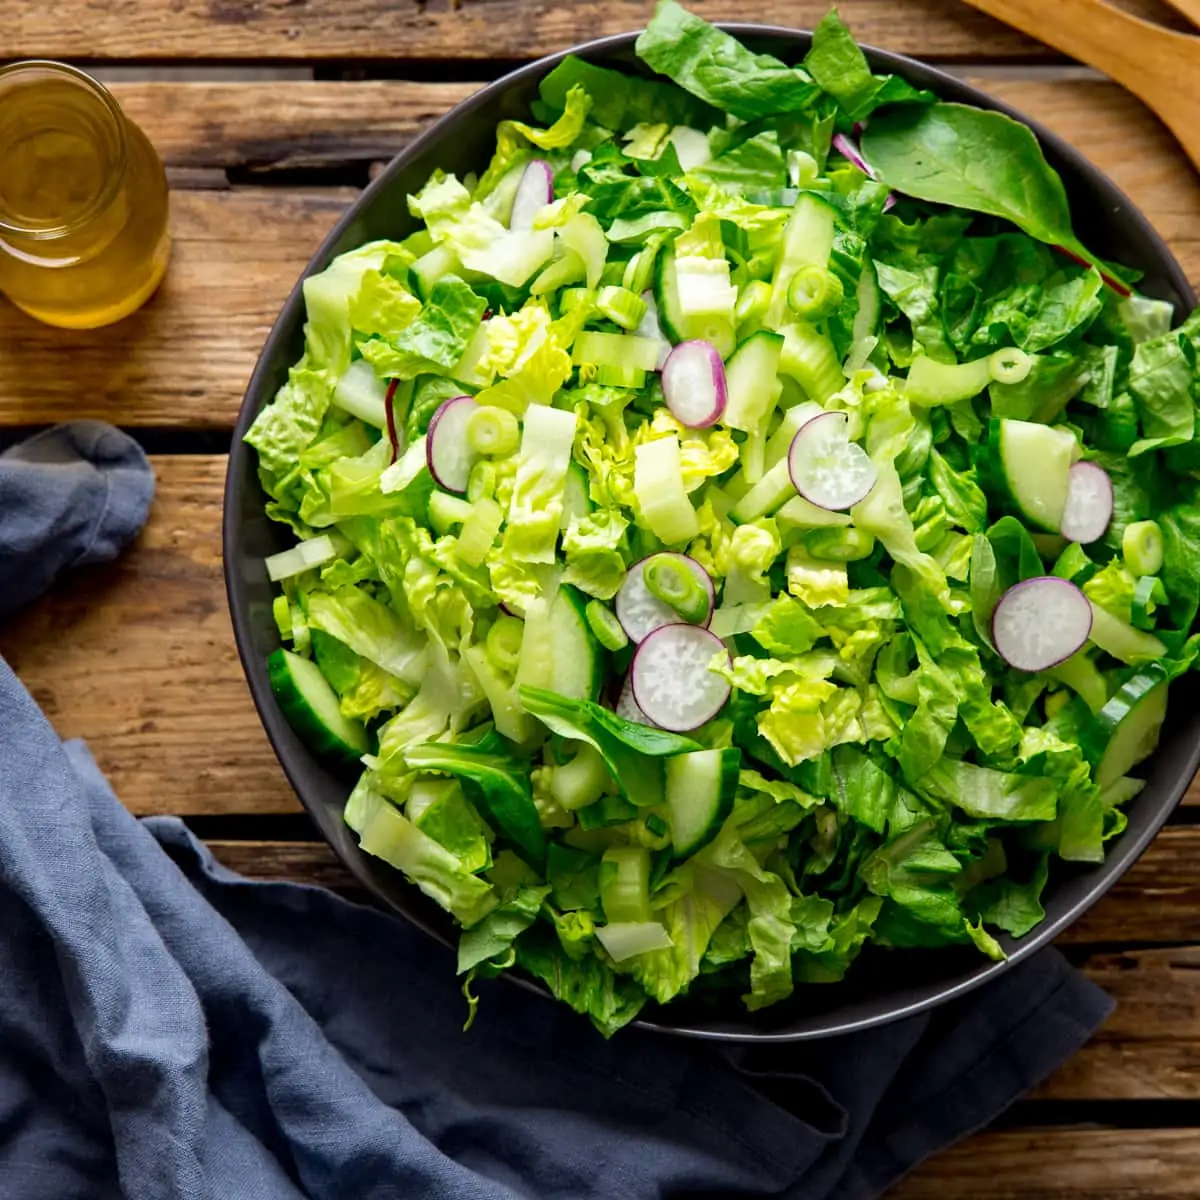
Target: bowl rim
[(808, 1027)]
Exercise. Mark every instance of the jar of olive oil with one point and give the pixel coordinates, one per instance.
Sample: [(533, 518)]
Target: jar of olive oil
[(84, 237)]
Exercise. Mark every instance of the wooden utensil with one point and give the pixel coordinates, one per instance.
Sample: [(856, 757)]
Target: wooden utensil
[(1159, 66), (1189, 8)]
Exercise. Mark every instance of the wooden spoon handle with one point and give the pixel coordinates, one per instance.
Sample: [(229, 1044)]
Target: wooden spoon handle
[(1158, 65), (1189, 8)]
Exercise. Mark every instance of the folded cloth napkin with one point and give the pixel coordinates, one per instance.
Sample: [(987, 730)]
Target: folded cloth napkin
[(170, 1029)]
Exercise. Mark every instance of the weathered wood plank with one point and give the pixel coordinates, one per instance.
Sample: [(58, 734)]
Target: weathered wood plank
[(1061, 1163), (138, 658), (184, 360), (468, 30)]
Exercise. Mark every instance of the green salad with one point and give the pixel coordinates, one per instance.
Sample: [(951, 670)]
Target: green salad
[(740, 525)]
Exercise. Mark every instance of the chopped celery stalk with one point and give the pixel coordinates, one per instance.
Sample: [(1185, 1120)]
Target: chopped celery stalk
[(582, 781), (753, 301), (931, 383), (481, 484), (622, 307), (584, 235), (623, 377), (793, 418), (625, 884), (300, 558), (638, 274), (810, 359), (576, 297), (815, 292), (840, 545), (567, 269), (605, 626), (493, 431), (774, 489), (750, 382), (1122, 641), (807, 241), (446, 511), (511, 720), (704, 288), (799, 513), (1142, 547), (637, 229), (503, 643), (627, 939), (1010, 365), (362, 394), (669, 580), (659, 491), (479, 531), (615, 350)]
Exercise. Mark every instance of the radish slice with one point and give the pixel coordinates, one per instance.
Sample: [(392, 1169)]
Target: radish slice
[(649, 327), (535, 191), (627, 707), (826, 467), (1040, 623), (672, 683), (1089, 507), (641, 613), (447, 452), (693, 384)]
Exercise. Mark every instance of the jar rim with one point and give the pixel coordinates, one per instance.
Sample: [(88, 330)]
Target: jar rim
[(112, 186)]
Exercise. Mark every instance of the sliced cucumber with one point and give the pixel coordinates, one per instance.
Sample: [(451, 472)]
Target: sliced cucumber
[(559, 652), (750, 382), (774, 489), (1122, 641), (700, 788), (625, 884), (1132, 720), (676, 325), (1030, 466), (807, 242), (577, 501), (311, 707)]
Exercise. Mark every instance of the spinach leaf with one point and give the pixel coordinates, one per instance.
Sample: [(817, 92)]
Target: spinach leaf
[(1160, 378)]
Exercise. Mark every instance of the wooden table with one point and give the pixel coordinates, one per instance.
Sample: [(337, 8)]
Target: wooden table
[(279, 113)]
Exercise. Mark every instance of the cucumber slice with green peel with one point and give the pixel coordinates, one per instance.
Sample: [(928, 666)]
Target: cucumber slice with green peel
[(625, 884), (677, 325), (807, 242), (750, 382), (311, 707), (1123, 641), (559, 651), (771, 492), (700, 788), (1029, 467), (1132, 720)]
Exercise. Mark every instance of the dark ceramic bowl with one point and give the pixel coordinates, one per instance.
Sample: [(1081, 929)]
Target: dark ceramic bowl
[(883, 986)]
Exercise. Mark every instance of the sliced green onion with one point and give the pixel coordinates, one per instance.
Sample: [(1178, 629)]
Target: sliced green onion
[(815, 292), (620, 306), (1142, 547), (569, 269), (503, 643), (446, 510), (481, 484), (668, 580), (493, 431), (840, 545), (605, 626), (1010, 365), (932, 383), (1148, 594), (622, 377)]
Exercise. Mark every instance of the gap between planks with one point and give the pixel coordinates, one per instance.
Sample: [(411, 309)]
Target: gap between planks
[(184, 360)]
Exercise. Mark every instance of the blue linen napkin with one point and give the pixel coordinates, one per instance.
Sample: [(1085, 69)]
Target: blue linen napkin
[(170, 1029)]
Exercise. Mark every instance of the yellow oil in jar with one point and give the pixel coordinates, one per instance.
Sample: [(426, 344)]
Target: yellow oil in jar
[(84, 237)]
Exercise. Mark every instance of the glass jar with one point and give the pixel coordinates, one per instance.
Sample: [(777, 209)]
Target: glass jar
[(84, 237)]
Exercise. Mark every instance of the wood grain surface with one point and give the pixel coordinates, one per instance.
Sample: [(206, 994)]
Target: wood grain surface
[(240, 249)]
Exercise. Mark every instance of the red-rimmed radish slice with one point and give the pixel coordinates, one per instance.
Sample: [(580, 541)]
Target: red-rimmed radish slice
[(672, 683), (693, 384), (1089, 507), (447, 451), (535, 191), (648, 327), (1040, 623), (627, 707), (641, 612), (826, 467)]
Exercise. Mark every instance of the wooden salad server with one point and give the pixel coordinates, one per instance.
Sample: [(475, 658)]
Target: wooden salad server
[(1159, 66)]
